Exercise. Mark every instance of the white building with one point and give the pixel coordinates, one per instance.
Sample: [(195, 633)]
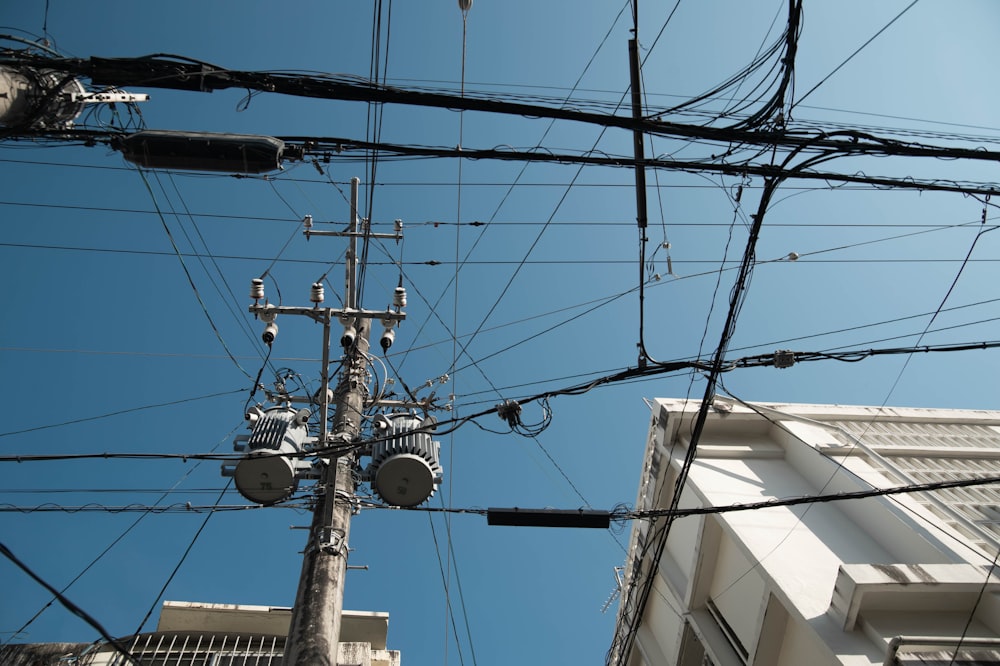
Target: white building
[(901, 579), (201, 634)]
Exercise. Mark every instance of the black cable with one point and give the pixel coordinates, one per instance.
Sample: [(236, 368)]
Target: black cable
[(850, 57), (622, 514), (810, 499), (176, 508), (256, 382), (975, 607), (70, 606), (444, 582), (626, 628), (626, 375), (117, 413), (133, 525), (180, 562), (187, 273)]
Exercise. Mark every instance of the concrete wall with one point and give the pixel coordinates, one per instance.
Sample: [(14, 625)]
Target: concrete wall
[(816, 584)]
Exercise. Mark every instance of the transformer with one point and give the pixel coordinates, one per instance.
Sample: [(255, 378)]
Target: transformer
[(405, 469), (270, 472)]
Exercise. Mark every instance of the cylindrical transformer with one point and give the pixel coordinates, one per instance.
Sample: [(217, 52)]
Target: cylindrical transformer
[(268, 475), (406, 465)]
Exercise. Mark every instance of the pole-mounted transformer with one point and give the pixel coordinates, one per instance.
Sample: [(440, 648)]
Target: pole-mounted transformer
[(272, 468), (405, 469)]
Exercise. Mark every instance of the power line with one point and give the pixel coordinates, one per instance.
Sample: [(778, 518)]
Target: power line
[(69, 605), (155, 509), (117, 413), (180, 562), (778, 359), (187, 274), (856, 52), (624, 514)]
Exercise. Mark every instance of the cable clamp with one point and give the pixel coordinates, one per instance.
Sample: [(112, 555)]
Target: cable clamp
[(784, 358), (332, 542), (510, 411)]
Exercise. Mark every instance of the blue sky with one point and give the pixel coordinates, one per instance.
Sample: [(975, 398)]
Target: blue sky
[(99, 316)]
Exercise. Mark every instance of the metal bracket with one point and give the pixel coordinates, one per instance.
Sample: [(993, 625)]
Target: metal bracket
[(332, 542)]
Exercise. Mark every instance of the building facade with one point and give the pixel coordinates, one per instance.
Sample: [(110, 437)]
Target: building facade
[(901, 579), (202, 634)]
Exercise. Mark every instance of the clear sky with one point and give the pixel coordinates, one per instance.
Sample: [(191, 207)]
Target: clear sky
[(99, 315)]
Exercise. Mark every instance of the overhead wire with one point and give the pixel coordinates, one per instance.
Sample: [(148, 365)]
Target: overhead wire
[(442, 427), (180, 562), (119, 412), (69, 605), (627, 624), (851, 57), (517, 181), (187, 273), (445, 581), (116, 541), (944, 300), (456, 284), (227, 300), (975, 608)]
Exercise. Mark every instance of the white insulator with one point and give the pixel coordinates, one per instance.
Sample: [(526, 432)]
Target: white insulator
[(399, 297), (307, 221), (257, 289), (350, 334), (398, 226), (316, 293), (388, 336)]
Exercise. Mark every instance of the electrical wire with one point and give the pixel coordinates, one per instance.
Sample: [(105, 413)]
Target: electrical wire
[(516, 182), (187, 273), (851, 57), (117, 413), (180, 562), (506, 407), (624, 514), (69, 605), (627, 626), (116, 541), (228, 300), (975, 607), (449, 611)]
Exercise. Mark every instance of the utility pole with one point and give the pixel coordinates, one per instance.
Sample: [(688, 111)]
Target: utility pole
[(314, 635), (315, 630), (405, 467)]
